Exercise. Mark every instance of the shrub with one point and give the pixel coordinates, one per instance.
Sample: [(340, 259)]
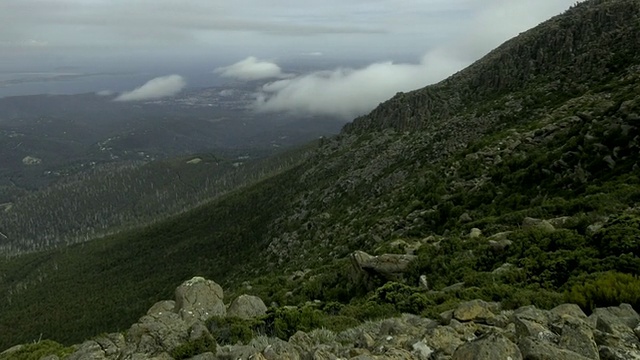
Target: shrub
[(606, 289), (231, 330), (39, 350), (620, 236), (192, 348)]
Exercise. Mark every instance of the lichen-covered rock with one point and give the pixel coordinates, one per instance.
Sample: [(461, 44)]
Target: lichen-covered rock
[(156, 333), (475, 233), (199, 299), (390, 266), (444, 339), (578, 337), (536, 349), (247, 307), (490, 347), (88, 350), (475, 310)]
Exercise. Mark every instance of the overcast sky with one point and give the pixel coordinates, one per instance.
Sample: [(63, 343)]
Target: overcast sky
[(360, 42)]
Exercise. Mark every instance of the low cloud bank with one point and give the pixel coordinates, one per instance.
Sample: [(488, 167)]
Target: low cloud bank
[(252, 69), (351, 92), (157, 88)]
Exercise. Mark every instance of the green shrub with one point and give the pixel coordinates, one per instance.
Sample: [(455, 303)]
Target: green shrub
[(406, 299), (286, 321), (195, 347), (620, 235), (231, 330), (39, 350), (606, 289)]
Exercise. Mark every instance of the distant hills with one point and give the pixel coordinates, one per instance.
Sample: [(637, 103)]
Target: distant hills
[(516, 180)]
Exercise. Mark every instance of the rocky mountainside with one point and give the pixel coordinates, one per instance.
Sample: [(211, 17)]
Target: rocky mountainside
[(198, 325), (512, 188)]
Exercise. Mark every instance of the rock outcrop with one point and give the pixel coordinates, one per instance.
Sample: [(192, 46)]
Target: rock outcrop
[(474, 330), (390, 266)]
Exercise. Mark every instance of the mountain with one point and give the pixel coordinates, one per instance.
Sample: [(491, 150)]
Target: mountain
[(515, 181)]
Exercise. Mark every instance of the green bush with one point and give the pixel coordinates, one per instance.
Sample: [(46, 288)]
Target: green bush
[(39, 350), (620, 235), (606, 289), (406, 299), (231, 330), (195, 347)]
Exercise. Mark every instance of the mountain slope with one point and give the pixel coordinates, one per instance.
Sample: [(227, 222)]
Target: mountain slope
[(456, 173)]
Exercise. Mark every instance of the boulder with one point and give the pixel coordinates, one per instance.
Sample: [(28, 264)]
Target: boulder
[(528, 328), (578, 337), (390, 266), (615, 332), (499, 245), (88, 350), (199, 299), (490, 347), (544, 225), (247, 307), (475, 310), (423, 283), (572, 310), (443, 339), (475, 233), (421, 351), (157, 333), (536, 349), (560, 222)]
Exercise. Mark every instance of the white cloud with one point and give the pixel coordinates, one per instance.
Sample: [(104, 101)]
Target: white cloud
[(105, 93), (155, 89), (348, 92), (251, 69)]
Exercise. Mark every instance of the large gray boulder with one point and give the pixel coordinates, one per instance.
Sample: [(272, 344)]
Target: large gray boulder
[(536, 349), (615, 332), (247, 307), (199, 299), (475, 310), (490, 347), (391, 266), (157, 333), (578, 337)]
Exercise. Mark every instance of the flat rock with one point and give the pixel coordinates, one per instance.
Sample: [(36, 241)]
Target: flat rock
[(474, 310)]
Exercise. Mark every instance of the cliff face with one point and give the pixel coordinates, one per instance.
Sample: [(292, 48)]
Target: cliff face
[(565, 56)]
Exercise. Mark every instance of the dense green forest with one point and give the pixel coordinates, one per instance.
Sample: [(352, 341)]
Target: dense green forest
[(117, 196)]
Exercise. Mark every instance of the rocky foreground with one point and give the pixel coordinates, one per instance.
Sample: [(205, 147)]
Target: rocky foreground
[(474, 330)]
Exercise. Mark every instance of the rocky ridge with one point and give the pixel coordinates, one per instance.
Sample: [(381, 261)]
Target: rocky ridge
[(473, 330)]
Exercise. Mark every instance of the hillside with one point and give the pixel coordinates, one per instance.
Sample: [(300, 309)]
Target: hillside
[(111, 197), (515, 181)]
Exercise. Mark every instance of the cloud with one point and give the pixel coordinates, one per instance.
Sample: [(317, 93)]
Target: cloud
[(105, 93), (155, 89), (251, 69), (351, 92)]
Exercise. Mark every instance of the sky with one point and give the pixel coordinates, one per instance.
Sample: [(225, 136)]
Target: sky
[(335, 57)]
